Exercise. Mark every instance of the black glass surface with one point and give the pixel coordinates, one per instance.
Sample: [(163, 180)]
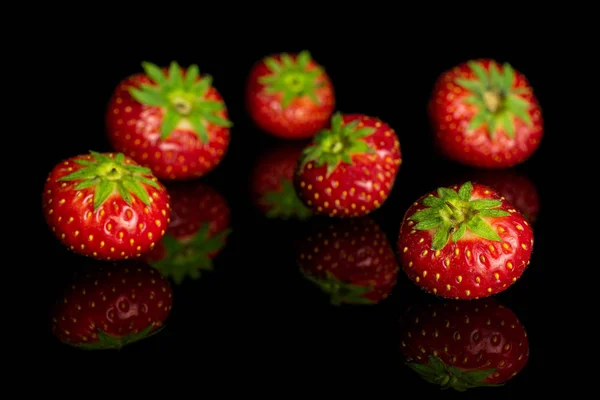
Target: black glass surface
[(254, 306)]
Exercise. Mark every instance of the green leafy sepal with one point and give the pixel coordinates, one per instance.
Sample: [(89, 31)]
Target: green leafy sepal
[(336, 145), (291, 77), (284, 203), (182, 98), (188, 258), (448, 376), (453, 213), (110, 173), (111, 342), (340, 292), (498, 102)]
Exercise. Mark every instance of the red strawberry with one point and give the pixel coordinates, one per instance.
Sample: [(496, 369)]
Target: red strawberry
[(350, 259), (112, 304), (485, 115), (464, 243), (517, 188), (105, 206), (200, 223), (174, 122), (463, 346), (349, 169), (271, 182), (290, 96)]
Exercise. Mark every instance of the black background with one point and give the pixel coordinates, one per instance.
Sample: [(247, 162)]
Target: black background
[(254, 316)]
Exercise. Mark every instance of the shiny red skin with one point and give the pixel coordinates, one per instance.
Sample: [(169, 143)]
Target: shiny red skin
[(273, 166), (119, 298), (115, 231), (471, 336), (355, 250), (301, 119), (473, 267), (357, 189), (193, 204), (134, 129), (517, 188), (450, 115)]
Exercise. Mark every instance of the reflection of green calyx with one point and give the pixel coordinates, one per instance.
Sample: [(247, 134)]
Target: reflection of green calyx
[(284, 203), (292, 77), (452, 213), (106, 341), (336, 145), (183, 98), (188, 258), (108, 174), (498, 102), (341, 292), (448, 376)]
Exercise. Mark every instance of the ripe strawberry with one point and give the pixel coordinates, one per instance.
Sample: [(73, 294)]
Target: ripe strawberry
[(463, 346), (112, 304), (485, 115), (105, 206), (464, 243), (349, 169), (272, 186), (174, 122), (200, 223), (350, 259), (290, 96), (517, 188)]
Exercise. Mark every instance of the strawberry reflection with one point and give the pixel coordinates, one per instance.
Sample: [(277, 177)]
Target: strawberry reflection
[(351, 260), (271, 182), (200, 224), (516, 187), (109, 305), (463, 346)]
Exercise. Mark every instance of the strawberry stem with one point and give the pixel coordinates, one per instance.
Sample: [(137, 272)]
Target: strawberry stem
[(340, 292), (336, 145), (188, 257), (292, 77), (448, 376), (182, 98), (452, 213), (109, 173), (497, 100)]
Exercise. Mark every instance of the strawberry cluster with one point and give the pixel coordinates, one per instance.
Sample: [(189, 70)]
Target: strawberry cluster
[(140, 213)]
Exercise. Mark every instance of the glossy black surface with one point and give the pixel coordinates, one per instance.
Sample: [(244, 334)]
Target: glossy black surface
[(255, 307)]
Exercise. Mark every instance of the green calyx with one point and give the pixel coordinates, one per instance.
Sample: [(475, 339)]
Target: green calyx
[(110, 342), (108, 174), (452, 213), (497, 101), (336, 145), (284, 203), (292, 77), (183, 99), (188, 258), (448, 376), (341, 292)]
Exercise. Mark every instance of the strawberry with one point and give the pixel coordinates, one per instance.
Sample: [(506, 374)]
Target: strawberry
[(289, 95), (200, 224), (105, 206), (112, 304), (485, 115), (464, 242), (349, 169), (463, 346), (271, 182), (350, 259), (173, 122), (517, 188)]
